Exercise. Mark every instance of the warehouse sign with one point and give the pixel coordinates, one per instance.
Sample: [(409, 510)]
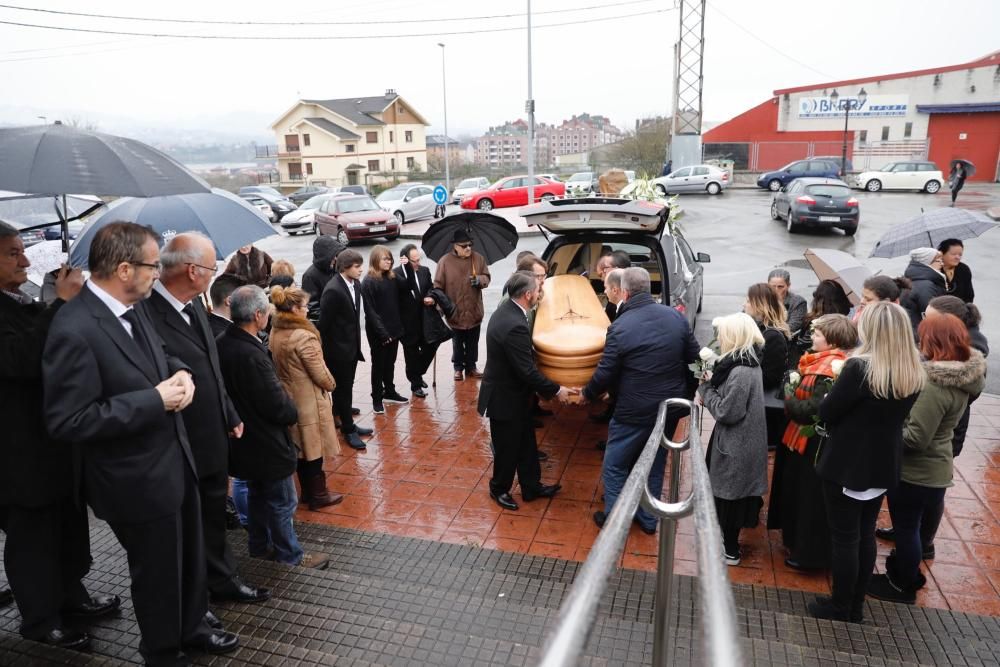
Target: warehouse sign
[(875, 106)]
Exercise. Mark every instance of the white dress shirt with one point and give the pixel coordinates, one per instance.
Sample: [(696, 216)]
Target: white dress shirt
[(116, 307), (172, 300)]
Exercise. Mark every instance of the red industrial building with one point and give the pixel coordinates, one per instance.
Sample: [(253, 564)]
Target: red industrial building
[(938, 114)]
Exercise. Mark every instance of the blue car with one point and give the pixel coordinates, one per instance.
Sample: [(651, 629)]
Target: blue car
[(811, 168)]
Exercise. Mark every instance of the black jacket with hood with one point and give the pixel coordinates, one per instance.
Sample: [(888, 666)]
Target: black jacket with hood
[(927, 284), (325, 251)]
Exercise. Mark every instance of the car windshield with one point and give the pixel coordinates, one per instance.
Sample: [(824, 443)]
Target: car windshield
[(583, 176), (357, 205), (313, 203), (888, 167), (828, 190), (392, 194), (469, 183)]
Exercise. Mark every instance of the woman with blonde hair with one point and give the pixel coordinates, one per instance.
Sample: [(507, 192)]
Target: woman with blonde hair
[(737, 449), (764, 306), (864, 413), (282, 273), (298, 359), (383, 326)]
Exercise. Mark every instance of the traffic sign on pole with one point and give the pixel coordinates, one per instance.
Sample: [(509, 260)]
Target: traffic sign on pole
[(440, 195)]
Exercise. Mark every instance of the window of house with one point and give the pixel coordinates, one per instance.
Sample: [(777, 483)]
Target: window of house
[(349, 148), (863, 136), (294, 171), (372, 165), (305, 140), (371, 137), (309, 167), (392, 164), (885, 133), (410, 162), (907, 130), (409, 136), (390, 136)]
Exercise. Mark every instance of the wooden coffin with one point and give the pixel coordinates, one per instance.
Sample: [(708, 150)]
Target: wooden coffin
[(570, 328)]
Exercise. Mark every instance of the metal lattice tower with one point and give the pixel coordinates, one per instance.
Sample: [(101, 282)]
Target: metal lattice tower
[(688, 58)]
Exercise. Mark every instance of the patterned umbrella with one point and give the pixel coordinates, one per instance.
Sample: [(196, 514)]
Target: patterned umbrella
[(928, 230)]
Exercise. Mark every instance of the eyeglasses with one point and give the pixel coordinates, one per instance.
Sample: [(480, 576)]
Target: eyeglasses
[(213, 269), (465, 245), (156, 267)]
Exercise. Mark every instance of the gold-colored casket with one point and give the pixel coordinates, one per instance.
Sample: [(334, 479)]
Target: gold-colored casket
[(569, 333)]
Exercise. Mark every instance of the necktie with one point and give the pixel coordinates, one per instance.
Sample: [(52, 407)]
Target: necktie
[(138, 336), (194, 321)]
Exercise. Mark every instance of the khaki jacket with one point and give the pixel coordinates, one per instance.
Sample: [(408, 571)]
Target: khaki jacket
[(453, 278)]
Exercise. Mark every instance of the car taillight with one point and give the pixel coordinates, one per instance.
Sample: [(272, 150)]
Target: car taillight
[(680, 308), (852, 202), (725, 176), (806, 199)]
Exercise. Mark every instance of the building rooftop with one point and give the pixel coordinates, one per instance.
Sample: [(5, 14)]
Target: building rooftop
[(358, 110), (333, 128)]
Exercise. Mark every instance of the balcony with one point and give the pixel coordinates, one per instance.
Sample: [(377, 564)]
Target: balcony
[(271, 152)]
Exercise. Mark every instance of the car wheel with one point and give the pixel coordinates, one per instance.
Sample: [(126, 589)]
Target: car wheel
[(774, 211), (342, 237), (774, 185), (485, 205), (932, 187), (792, 226), (700, 299), (660, 190), (714, 188), (548, 196), (315, 229), (851, 231), (873, 185), (400, 218)]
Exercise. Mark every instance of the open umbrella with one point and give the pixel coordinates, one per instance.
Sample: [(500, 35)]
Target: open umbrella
[(841, 267), (58, 160), (228, 220), (26, 211), (928, 229), (494, 237), (970, 169)]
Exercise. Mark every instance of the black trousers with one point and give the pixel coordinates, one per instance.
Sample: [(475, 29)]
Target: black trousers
[(465, 348), (418, 357), (343, 393), (852, 533), (515, 450), (221, 566), (383, 368), (166, 561), (46, 555)]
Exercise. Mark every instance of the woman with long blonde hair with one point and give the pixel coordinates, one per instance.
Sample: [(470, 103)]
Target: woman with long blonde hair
[(864, 413), (737, 449), (764, 306), (383, 326)]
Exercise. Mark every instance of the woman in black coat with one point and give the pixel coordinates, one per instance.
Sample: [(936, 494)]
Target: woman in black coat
[(860, 460), (927, 282), (958, 276), (383, 326), (768, 312)]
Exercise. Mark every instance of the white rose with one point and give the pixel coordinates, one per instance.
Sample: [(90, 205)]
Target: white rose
[(837, 365), (706, 354), (794, 378)]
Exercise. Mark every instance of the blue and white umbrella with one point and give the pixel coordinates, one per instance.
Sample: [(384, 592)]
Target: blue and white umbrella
[(229, 221)]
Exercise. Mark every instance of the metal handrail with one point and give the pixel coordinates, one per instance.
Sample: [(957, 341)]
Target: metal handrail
[(579, 610)]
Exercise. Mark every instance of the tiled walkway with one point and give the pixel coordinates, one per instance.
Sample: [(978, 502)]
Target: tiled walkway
[(426, 470)]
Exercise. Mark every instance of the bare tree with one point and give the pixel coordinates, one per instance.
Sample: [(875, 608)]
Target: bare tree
[(644, 148), (82, 123)]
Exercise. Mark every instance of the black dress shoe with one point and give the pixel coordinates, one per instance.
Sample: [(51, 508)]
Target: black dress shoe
[(887, 534), (542, 456), (98, 605), (504, 500), (423, 384), (237, 591), (602, 445), (355, 411), (213, 620), (218, 642), (66, 638), (361, 430), (600, 518), (354, 442), (419, 393), (543, 491)]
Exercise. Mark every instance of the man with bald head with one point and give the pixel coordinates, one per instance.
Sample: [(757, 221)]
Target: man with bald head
[(177, 313)]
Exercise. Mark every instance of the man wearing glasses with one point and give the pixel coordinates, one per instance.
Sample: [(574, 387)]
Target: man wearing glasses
[(179, 316), (463, 275)]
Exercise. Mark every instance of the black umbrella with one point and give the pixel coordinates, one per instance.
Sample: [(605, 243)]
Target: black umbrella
[(33, 211), (970, 169), (494, 237), (58, 159)]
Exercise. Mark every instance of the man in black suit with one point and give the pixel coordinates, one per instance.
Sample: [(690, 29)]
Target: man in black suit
[(414, 282), (510, 380), (340, 327), (179, 317), (222, 287), (47, 551), (119, 398)]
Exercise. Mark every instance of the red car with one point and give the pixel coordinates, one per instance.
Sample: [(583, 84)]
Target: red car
[(512, 191), (354, 219)]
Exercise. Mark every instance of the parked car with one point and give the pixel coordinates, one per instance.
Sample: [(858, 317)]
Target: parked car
[(512, 191), (811, 168), (303, 219), (699, 178), (817, 202), (549, 177), (580, 230), (54, 232), (916, 175), (260, 205), (281, 206), (837, 159), (353, 189), (307, 192), (31, 237), (468, 186), (251, 189), (355, 218), (582, 182), (408, 201)]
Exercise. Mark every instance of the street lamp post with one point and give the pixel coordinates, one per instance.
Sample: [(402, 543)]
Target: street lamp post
[(444, 94), (44, 119), (848, 105), (530, 108)]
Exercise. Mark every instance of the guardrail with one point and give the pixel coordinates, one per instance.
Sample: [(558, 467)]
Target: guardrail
[(579, 610)]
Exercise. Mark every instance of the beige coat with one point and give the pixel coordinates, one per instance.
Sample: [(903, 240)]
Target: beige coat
[(298, 359), (453, 274)]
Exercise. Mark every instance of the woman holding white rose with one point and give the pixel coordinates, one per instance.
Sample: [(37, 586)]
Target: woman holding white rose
[(796, 506)]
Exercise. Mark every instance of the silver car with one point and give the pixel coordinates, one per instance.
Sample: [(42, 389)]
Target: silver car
[(699, 178), (408, 201)]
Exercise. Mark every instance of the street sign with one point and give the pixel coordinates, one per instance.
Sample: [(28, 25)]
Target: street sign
[(440, 195)]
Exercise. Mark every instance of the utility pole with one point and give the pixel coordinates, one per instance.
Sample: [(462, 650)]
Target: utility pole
[(444, 93), (530, 108), (685, 127)]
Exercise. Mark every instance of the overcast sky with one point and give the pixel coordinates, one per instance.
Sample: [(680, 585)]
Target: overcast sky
[(619, 67)]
